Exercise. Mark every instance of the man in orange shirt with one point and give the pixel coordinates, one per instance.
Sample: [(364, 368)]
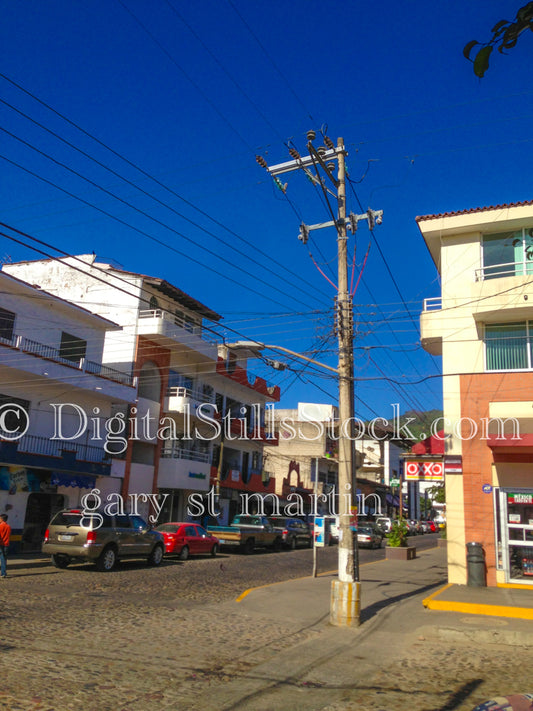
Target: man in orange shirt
[(5, 535)]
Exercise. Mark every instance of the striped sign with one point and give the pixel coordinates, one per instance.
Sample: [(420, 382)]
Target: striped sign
[(424, 471)]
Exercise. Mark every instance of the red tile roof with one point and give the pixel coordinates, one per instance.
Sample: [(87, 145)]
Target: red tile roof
[(475, 209)]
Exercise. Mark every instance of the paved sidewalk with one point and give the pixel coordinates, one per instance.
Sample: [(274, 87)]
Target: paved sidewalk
[(378, 666)]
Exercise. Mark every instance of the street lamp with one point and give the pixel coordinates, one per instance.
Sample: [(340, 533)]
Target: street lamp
[(345, 603)]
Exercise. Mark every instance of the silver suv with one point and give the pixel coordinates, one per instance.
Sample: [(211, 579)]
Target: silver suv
[(73, 537)]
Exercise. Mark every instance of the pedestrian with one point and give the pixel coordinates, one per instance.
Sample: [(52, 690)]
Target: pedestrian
[(5, 535)]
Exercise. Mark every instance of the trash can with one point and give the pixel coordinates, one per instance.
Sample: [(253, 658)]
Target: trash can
[(475, 565)]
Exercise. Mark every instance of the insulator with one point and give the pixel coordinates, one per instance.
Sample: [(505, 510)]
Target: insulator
[(330, 167), (328, 142), (262, 162), (294, 153), (311, 135), (321, 151)]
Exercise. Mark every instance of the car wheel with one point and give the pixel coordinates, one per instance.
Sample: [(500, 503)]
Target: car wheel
[(184, 553), (60, 561), (214, 550), (277, 545), (292, 543), (156, 556), (107, 560), (249, 546)]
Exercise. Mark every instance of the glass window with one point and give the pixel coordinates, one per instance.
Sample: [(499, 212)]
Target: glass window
[(72, 348), (507, 346), (191, 531), (508, 254), (7, 324)]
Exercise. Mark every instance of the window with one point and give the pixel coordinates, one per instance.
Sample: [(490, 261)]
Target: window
[(7, 324), (508, 254), (14, 421), (72, 348), (154, 303), (508, 346)]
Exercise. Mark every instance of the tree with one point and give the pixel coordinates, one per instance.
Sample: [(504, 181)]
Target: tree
[(504, 36)]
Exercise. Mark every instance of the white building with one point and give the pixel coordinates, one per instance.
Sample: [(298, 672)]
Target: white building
[(53, 385)]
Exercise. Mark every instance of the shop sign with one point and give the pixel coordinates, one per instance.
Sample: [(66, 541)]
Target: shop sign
[(424, 471), (487, 488), (196, 475), (395, 482), (514, 518), (523, 498), (235, 475)]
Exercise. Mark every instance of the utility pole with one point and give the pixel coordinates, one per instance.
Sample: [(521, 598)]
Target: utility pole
[(345, 603)]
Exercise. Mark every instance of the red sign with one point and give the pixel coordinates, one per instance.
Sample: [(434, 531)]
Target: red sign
[(424, 471)]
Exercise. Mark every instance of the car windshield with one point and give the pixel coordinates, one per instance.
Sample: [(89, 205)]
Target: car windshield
[(365, 529), (77, 518)]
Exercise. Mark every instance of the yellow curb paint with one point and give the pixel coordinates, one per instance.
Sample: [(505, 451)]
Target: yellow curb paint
[(522, 613), (434, 594), (515, 586)]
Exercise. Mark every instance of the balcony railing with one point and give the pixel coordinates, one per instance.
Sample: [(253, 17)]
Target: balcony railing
[(33, 444), (193, 395), (180, 322), (494, 271), (27, 345), (185, 453), (433, 304)]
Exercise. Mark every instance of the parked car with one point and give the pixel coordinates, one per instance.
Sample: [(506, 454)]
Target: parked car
[(415, 526), (432, 526), (426, 528), (334, 524), (248, 533), (293, 531), (72, 536), (384, 523), (369, 535), (184, 539)]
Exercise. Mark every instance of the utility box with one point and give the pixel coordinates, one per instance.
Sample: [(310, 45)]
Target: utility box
[(476, 569)]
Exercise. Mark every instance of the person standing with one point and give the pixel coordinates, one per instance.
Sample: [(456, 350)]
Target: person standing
[(5, 535)]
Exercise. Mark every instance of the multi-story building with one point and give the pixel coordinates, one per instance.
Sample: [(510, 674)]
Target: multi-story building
[(482, 325), (56, 396), (187, 384)]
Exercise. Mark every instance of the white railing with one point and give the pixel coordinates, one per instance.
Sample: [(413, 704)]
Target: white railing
[(502, 270), (184, 453), (178, 321), (433, 304), (33, 444), (27, 345), (193, 395)]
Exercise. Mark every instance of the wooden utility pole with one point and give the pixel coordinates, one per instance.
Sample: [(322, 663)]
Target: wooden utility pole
[(345, 591)]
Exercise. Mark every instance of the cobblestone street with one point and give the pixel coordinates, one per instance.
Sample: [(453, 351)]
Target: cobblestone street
[(174, 638)]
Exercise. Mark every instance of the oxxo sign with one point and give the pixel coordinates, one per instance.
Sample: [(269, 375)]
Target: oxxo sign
[(424, 471)]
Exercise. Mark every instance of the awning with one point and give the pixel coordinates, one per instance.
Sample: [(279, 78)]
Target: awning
[(80, 481), (393, 500)]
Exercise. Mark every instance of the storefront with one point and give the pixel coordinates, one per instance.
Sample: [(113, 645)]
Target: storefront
[(514, 534)]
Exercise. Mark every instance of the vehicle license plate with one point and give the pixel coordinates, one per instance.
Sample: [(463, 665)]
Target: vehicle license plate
[(221, 541), (65, 538)]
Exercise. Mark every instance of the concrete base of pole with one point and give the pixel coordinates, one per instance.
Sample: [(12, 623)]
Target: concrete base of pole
[(345, 606)]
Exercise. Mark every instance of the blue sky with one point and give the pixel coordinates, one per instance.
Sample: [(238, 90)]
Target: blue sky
[(191, 92)]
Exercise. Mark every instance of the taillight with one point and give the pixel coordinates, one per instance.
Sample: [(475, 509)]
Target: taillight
[(46, 535), (91, 537), (285, 532)]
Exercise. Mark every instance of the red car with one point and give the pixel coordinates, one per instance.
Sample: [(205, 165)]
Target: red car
[(186, 539)]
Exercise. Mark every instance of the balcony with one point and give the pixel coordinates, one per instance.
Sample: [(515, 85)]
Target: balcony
[(188, 453), (179, 398), (60, 455), (433, 304), (34, 349), (169, 330)]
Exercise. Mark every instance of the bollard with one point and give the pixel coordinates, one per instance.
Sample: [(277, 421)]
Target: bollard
[(475, 565)]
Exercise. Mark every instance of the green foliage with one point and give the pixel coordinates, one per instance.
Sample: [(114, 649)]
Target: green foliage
[(443, 532), (437, 493), (504, 36), (397, 536)]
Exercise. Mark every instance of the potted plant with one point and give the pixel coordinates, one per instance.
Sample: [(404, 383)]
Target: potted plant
[(397, 547)]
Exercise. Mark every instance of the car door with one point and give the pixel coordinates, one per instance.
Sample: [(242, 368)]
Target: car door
[(204, 541), (124, 536), (192, 539), (142, 540)]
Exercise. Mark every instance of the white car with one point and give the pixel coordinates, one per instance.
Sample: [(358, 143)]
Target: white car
[(384, 523)]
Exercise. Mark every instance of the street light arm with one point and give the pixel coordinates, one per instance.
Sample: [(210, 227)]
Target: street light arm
[(302, 357)]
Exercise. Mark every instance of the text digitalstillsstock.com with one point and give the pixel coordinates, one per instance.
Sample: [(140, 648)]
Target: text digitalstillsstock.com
[(72, 422)]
